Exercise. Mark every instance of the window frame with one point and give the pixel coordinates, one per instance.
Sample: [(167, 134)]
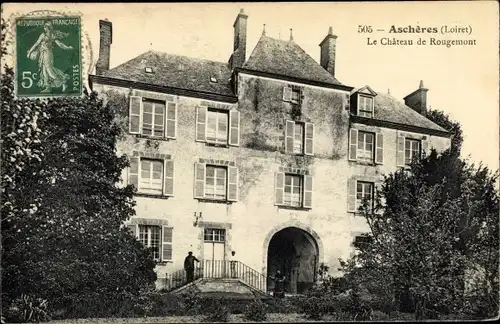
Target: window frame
[(413, 153), (359, 201), (149, 236), (297, 93), (150, 190), (361, 153), (300, 179), (362, 108), (217, 112), (210, 233), (226, 177), (302, 127), (153, 117)]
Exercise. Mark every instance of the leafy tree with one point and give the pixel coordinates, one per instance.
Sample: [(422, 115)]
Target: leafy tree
[(62, 206), (431, 225), (443, 120)]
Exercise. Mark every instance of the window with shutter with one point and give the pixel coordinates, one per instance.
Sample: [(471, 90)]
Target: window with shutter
[(353, 144), (171, 120), (299, 138), (201, 123), (232, 184), (279, 188), (351, 195), (379, 152), (234, 131), (364, 195), (150, 237), (400, 155), (135, 104), (412, 149), (133, 175), (166, 254), (365, 147), (168, 187)]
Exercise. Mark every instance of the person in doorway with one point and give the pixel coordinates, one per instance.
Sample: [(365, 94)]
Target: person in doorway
[(189, 266), (279, 286), (233, 265)]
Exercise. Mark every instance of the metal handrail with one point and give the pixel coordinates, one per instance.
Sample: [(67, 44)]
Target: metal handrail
[(219, 269)]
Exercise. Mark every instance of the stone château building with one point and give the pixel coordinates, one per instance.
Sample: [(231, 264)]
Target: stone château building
[(268, 156)]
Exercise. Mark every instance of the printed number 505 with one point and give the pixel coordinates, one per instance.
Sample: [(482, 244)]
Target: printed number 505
[(28, 78), (364, 29)]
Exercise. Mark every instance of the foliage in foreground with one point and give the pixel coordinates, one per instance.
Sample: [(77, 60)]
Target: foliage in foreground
[(62, 210), (434, 240)]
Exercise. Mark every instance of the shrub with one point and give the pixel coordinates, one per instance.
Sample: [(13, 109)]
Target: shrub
[(256, 311), (28, 309), (219, 312), (315, 307), (191, 302)]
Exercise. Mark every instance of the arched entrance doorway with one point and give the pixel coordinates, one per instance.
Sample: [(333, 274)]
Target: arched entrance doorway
[(294, 252)]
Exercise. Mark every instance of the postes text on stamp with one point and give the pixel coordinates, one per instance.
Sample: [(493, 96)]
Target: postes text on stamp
[(48, 56)]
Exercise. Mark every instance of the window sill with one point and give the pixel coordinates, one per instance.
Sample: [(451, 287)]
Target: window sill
[(367, 163), (294, 207), (163, 263), (153, 137), (216, 145), (215, 201), (142, 194)]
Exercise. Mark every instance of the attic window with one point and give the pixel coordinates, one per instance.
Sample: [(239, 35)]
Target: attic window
[(149, 70), (213, 79), (365, 104)]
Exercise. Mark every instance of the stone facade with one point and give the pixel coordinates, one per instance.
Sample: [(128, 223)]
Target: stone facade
[(254, 218)]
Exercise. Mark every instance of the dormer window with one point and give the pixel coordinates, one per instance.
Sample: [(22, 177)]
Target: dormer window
[(365, 106), (149, 69)]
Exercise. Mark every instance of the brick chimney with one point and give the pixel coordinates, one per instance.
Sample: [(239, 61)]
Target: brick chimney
[(240, 41), (106, 38), (417, 100), (327, 46)]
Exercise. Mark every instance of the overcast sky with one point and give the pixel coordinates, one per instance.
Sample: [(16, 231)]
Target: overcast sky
[(462, 81)]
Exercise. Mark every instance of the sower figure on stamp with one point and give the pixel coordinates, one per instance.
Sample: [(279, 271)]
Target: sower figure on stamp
[(50, 76), (279, 286), (189, 266)]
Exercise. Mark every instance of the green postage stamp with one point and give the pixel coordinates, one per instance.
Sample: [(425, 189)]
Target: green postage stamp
[(48, 56)]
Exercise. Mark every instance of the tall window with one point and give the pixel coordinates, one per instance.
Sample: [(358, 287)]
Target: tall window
[(150, 236), (365, 146), (215, 183), (214, 235), (412, 149), (298, 138), (365, 106), (295, 96), (217, 126), (153, 118), (293, 190), (364, 192), (151, 176)]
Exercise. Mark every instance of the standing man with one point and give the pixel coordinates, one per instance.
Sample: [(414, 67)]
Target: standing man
[(233, 265), (189, 266)]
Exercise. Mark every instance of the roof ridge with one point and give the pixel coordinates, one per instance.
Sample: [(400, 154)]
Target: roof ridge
[(184, 56)]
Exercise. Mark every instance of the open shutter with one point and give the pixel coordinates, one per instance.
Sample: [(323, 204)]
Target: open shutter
[(279, 188), (133, 172), (351, 195), (201, 123), (347, 102), (134, 126), (353, 144), (309, 139), (378, 190), (232, 184), (425, 148), (308, 190), (379, 150), (400, 155), (133, 228), (289, 133), (287, 94), (234, 128), (199, 180), (168, 186), (171, 120), (166, 249)]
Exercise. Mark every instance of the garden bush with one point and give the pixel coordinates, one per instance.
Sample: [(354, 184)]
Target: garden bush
[(28, 309), (218, 312), (256, 311)]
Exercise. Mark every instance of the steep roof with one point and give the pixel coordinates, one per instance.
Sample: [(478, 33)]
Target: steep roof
[(391, 109), (175, 71), (286, 58)]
